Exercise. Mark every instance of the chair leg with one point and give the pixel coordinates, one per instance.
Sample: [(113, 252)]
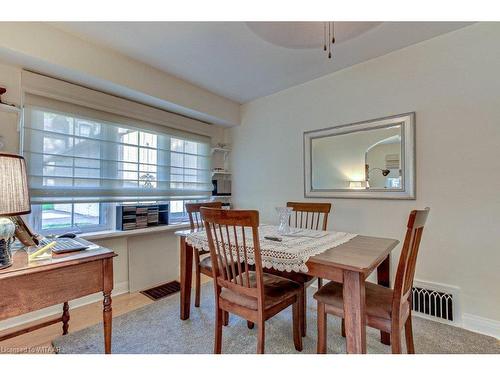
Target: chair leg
[(396, 339), (320, 282), (304, 311), (197, 285), (218, 332), (297, 330), (250, 324), (225, 318), (261, 336), (322, 319), (343, 327), (410, 347), (65, 318)]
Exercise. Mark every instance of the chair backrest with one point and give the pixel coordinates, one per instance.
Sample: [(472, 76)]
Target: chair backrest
[(230, 235), (193, 210), (308, 215), (408, 259)]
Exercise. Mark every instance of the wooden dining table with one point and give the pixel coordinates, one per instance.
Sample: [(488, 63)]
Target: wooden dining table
[(349, 263)]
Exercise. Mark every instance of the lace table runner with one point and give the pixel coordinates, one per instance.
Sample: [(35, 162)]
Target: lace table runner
[(291, 254)]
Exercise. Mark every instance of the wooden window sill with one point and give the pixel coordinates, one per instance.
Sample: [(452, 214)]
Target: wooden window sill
[(134, 232)]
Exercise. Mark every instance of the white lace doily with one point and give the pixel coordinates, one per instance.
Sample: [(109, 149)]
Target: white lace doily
[(291, 254)]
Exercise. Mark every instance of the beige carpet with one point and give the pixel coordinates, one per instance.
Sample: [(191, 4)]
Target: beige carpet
[(156, 328)]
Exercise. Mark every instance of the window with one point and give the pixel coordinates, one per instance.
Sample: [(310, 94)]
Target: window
[(140, 156), (72, 217), (78, 165), (177, 211), (394, 182)]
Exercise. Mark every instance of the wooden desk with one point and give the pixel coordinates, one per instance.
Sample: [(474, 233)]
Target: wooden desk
[(350, 263), (29, 286)]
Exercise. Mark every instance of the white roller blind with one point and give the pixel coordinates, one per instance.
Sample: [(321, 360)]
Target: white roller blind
[(76, 154)]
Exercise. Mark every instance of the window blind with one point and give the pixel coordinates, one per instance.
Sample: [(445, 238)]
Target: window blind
[(76, 154)]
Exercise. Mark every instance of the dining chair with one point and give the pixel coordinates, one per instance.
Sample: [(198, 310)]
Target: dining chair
[(202, 266), (309, 215), (306, 215), (233, 237), (387, 309)]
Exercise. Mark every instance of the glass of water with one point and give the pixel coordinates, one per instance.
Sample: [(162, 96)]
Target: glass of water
[(284, 214)]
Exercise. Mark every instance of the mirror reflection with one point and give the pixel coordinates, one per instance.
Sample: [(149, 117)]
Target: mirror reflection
[(367, 159)]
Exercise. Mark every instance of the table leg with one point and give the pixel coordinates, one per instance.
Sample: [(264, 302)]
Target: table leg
[(65, 318), (186, 259), (383, 278), (354, 312), (107, 312), (107, 319)]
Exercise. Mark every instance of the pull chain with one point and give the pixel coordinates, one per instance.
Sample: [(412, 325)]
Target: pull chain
[(324, 36), (330, 38)]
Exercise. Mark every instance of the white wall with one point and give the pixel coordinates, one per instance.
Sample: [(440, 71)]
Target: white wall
[(10, 78), (452, 83)]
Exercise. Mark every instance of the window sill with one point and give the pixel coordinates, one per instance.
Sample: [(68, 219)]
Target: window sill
[(134, 232)]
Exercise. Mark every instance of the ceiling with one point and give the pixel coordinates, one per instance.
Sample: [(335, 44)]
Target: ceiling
[(246, 60)]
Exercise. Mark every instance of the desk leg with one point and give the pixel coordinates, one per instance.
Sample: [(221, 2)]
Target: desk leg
[(186, 259), (383, 278), (354, 312), (65, 318), (107, 312)]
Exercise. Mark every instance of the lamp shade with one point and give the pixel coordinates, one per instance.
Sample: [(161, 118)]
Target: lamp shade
[(14, 194)]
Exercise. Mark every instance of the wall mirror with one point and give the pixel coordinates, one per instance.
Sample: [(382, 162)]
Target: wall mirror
[(370, 159)]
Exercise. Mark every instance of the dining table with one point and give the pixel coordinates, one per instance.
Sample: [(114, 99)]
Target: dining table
[(349, 262)]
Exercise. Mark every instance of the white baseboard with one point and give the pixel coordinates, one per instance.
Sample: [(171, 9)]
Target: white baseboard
[(482, 325), (466, 321), (119, 288)]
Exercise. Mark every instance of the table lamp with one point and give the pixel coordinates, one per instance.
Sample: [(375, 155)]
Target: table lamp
[(14, 200)]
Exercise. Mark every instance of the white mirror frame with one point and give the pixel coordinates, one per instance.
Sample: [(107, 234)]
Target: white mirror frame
[(408, 159)]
